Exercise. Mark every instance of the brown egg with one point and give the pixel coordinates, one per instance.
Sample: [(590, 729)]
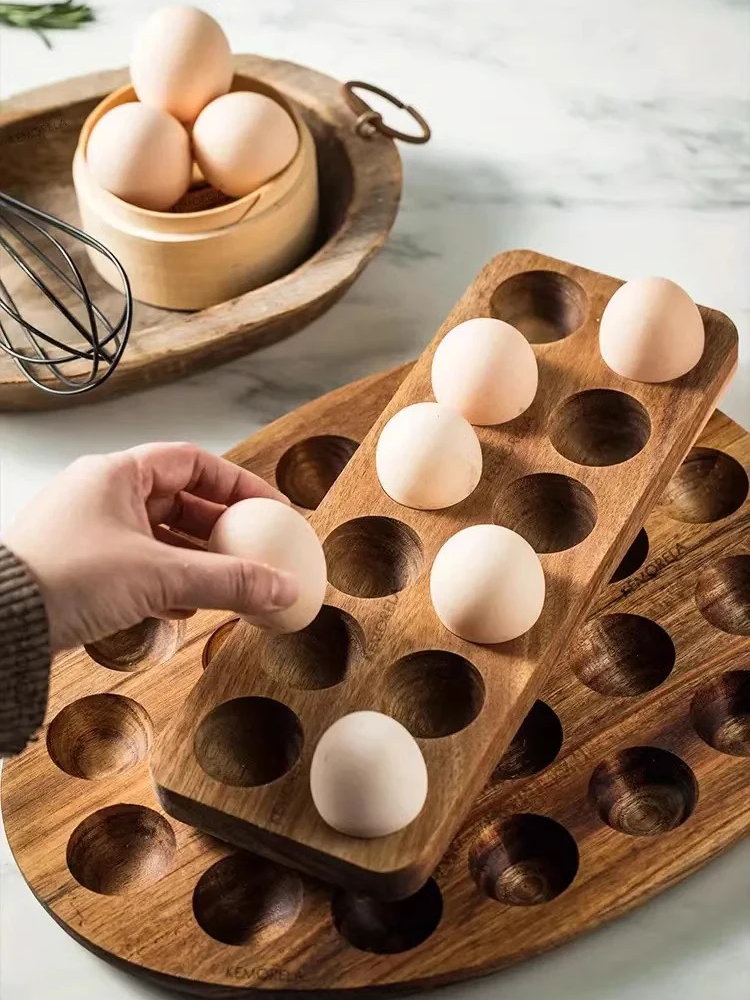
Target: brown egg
[(141, 154), (180, 61), (242, 140), (651, 331)]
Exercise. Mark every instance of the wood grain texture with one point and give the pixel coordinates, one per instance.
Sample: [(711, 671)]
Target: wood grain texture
[(360, 189), (266, 935), (380, 553)]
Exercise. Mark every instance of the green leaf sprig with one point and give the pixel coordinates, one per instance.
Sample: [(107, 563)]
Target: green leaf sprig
[(41, 16)]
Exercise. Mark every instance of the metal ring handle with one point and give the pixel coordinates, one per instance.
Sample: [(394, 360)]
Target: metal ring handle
[(370, 121)]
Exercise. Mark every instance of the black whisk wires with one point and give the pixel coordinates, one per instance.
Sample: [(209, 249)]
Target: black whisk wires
[(93, 344)]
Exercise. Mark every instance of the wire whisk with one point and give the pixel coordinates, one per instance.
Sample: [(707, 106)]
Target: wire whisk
[(91, 344)]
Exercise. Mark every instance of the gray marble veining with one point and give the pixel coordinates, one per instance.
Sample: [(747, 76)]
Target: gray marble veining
[(614, 134)]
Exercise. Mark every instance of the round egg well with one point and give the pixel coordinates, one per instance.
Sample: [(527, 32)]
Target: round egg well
[(523, 860), (217, 640), (120, 849), (544, 305), (245, 900), (319, 656), (643, 791), (99, 736), (387, 927), (534, 747), (552, 512), (633, 559), (150, 642), (308, 469), (248, 741), (723, 594), (599, 427), (433, 693), (622, 655), (373, 556), (720, 713), (708, 486)]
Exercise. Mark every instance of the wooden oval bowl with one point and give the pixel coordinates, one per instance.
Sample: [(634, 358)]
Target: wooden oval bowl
[(359, 190)]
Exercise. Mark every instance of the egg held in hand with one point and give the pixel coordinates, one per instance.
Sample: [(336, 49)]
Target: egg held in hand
[(180, 61), (428, 457), (269, 532), (487, 584), (485, 369), (242, 140), (142, 155), (651, 331), (368, 777)]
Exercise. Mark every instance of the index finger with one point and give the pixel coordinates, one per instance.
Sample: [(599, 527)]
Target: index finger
[(168, 468)]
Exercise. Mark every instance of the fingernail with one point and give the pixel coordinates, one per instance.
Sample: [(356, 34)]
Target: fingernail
[(284, 591)]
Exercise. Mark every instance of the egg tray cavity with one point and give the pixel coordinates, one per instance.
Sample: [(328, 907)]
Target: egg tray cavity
[(604, 797), (576, 474)]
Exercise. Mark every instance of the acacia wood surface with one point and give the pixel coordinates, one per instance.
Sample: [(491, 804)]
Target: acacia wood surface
[(288, 932), (462, 700), (360, 188)]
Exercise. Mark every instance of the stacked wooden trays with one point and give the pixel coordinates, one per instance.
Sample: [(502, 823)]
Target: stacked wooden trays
[(629, 773), (576, 474)]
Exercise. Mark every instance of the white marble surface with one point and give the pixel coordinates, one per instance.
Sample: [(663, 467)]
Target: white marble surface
[(613, 134)]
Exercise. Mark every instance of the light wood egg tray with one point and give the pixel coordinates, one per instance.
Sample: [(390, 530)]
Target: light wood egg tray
[(577, 474), (359, 192), (630, 772)]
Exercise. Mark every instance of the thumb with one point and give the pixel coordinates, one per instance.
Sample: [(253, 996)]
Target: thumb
[(196, 579)]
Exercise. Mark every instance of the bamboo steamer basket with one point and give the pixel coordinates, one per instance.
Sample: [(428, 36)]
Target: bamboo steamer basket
[(189, 260)]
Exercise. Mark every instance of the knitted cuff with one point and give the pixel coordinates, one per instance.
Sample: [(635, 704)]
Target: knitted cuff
[(24, 655)]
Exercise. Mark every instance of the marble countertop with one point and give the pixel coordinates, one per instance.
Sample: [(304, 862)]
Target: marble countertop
[(614, 135)]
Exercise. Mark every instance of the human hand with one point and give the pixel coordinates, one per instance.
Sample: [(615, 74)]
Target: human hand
[(101, 542)]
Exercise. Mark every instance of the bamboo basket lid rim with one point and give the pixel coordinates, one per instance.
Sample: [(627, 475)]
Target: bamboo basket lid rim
[(125, 94)]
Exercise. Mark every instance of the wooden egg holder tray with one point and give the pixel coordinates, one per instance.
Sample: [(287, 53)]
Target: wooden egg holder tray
[(577, 473), (176, 907)]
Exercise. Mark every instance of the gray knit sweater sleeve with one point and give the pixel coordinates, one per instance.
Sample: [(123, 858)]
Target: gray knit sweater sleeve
[(24, 655)]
